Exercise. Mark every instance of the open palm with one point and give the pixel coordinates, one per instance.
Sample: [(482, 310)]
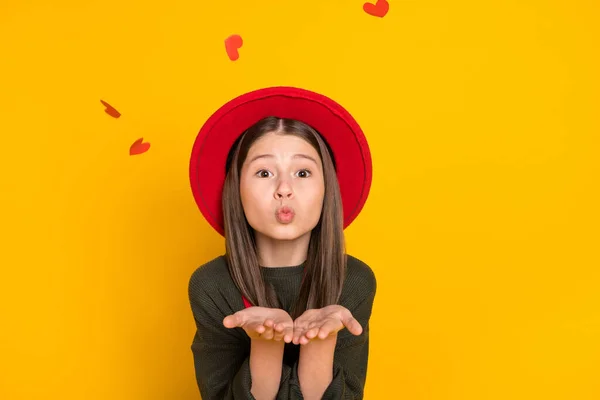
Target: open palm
[(262, 323), (324, 322)]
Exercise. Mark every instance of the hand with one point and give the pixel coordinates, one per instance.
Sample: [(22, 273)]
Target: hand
[(324, 322), (262, 323)]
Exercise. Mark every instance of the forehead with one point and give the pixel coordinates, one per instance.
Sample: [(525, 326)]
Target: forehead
[(282, 143)]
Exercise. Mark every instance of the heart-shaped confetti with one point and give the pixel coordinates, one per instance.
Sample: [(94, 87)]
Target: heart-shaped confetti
[(378, 9), (138, 147), (232, 44)]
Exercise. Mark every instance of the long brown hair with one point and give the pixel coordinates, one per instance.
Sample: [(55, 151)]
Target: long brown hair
[(325, 265)]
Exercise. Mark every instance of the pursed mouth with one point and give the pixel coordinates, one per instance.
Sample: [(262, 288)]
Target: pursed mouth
[(285, 210), (285, 214)]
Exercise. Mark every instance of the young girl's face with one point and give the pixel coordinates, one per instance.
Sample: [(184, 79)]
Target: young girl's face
[(282, 171)]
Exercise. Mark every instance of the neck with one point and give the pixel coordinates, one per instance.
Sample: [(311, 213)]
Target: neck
[(281, 253)]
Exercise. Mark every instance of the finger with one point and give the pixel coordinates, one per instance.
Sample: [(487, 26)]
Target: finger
[(298, 332), (253, 329), (329, 327), (260, 328), (269, 323), (311, 333), (326, 331), (353, 325), (232, 321), (277, 336), (304, 340), (278, 332), (288, 334), (267, 334)]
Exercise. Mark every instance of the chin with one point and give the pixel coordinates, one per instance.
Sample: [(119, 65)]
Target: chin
[(283, 232)]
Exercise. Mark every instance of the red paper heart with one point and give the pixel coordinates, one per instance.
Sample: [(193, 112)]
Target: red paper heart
[(110, 110), (377, 10), (232, 44), (138, 147)]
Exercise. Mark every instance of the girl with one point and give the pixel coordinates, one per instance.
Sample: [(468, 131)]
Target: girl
[(284, 313)]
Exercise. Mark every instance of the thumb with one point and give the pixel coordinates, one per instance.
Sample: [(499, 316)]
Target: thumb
[(232, 321), (352, 325)]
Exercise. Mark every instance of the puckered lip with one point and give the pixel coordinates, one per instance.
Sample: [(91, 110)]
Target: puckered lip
[(285, 210)]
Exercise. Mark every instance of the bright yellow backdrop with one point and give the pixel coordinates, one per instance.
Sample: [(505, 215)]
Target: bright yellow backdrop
[(481, 226)]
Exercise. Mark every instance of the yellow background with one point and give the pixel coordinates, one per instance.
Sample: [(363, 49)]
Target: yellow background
[(481, 225)]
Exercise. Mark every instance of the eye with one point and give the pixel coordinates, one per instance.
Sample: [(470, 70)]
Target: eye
[(304, 173), (261, 173)]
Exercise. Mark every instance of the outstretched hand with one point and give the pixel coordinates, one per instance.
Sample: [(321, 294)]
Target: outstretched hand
[(324, 322), (262, 323)]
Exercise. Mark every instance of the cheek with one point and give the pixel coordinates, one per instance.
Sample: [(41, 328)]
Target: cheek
[(315, 201), (253, 199), (246, 188)]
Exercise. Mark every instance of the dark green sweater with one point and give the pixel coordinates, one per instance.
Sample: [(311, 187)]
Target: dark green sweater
[(221, 355)]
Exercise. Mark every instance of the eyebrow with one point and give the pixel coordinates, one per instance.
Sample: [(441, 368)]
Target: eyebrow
[(294, 156)]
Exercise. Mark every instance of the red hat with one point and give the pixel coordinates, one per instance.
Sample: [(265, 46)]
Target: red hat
[(342, 133)]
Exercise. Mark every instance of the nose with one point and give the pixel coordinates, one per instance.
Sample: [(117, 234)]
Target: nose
[(284, 191)]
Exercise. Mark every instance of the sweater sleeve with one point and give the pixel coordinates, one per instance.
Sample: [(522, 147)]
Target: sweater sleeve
[(221, 355), (350, 357)]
